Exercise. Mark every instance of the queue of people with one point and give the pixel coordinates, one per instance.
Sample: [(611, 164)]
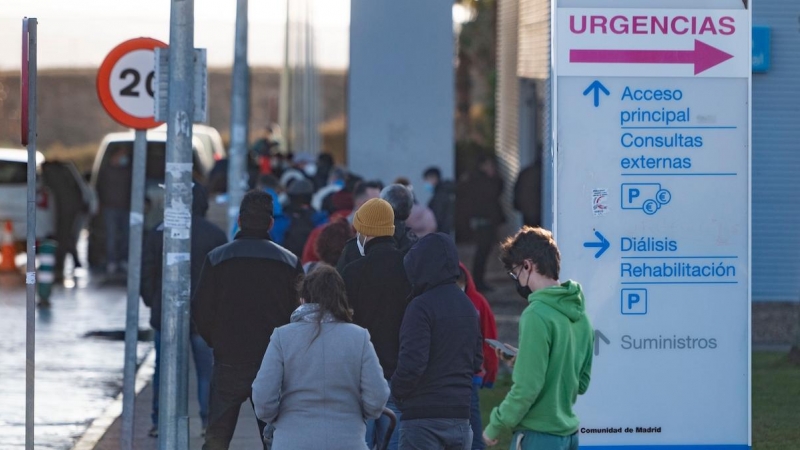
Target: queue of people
[(327, 309)]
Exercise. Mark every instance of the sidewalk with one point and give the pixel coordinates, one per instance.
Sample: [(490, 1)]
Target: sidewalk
[(246, 436)]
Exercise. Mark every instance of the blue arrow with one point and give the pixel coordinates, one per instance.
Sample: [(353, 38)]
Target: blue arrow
[(597, 87), (603, 244)]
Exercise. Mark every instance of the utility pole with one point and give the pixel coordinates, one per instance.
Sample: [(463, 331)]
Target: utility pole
[(29, 79), (134, 283), (240, 118), (284, 108), (173, 406)]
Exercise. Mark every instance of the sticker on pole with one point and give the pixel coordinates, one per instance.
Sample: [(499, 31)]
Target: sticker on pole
[(126, 83)]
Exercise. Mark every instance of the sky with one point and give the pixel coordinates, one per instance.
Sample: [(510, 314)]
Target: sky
[(79, 33)]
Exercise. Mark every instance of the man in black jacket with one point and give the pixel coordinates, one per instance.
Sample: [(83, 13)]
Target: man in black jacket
[(483, 188), (443, 199), (205, 237), (401, 200), (247, 289), (440, 351), (378, 290)]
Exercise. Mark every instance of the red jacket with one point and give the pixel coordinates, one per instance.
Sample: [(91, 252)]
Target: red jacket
[(310, 250), (488, 328)]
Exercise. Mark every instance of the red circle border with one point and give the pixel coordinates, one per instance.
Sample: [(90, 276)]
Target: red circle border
[(104, 79)]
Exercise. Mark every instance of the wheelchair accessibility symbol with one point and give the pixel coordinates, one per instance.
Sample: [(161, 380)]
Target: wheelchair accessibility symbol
[(649, 197)]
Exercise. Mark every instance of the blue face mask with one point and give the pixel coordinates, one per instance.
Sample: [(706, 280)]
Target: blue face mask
[(430, 188)]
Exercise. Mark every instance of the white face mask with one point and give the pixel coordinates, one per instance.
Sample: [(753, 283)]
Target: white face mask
[(360, 245)]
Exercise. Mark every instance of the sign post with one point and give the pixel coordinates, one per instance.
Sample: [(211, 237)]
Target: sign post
[(652, 116), (28, 137), (125, 85)]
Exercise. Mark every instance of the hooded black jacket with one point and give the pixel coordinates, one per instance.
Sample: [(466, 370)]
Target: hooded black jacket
[(205, 237), (441, 347), (378, 291), (247, 288)]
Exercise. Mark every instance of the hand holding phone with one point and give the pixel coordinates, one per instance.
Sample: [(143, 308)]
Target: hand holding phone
[(506, 351)]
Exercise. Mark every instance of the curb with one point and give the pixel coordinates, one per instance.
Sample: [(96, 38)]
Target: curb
[(101, 424)]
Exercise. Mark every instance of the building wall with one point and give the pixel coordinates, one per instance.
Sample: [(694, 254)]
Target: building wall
[(508, 96), (776, 158), (401, 89)]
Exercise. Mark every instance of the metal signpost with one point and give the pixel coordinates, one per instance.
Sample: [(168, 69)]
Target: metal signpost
[(28, 137), (182, 111), (240, 118), (653, 216), (125, 85)]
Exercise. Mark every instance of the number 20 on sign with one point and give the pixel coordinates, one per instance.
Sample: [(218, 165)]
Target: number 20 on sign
[(125, 83)]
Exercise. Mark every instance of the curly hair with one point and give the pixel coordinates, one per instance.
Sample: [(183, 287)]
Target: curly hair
[(536, 245), (332, 240)]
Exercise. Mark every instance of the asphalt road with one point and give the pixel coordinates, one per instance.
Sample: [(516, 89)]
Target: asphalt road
[(77, 377)]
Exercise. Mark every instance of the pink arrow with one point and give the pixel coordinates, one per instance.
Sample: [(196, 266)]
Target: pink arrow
[(703, 56)]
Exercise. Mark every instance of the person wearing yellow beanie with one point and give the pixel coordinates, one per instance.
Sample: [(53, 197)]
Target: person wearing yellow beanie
[(374, 219), (378, 291)]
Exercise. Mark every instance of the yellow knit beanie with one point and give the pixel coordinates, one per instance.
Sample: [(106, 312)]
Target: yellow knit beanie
[(375, 219)]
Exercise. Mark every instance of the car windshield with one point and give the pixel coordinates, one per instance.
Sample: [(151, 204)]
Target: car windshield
[(12, 172)]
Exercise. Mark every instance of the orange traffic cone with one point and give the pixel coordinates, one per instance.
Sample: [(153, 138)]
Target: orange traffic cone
[(7, 249)]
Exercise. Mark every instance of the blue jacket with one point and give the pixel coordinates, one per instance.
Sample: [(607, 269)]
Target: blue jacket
[(441, 347)]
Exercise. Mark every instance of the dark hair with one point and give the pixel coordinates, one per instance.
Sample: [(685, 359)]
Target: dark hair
[(332, 240), (361, 188), (401, 199), (255, 212), (535, 244), (352, 181), (403, 180), (325, 287), (432, 172)]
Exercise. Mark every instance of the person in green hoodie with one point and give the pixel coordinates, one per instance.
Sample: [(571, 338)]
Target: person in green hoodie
[(556, 341)]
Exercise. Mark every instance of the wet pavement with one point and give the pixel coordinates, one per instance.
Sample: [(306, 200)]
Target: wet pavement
[(77, 377)]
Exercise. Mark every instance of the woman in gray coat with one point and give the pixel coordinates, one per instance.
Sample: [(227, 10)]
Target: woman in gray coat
[(320, 378)]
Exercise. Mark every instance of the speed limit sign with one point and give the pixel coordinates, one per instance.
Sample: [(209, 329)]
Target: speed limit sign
[(126, 83)]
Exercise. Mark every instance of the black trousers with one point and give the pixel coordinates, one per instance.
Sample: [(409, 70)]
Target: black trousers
[(231, 385), (485, 240)]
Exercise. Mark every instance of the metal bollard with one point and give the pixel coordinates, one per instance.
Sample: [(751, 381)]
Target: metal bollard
[(45, 275)]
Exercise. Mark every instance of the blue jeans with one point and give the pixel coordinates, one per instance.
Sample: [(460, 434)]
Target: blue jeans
[(535, 440), (116, 223), (435, 434), (475, 419), (377, 429), (203, 363)]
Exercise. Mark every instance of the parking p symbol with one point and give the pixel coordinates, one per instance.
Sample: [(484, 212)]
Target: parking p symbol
[(633, 299), (634, 302), (633, 193)]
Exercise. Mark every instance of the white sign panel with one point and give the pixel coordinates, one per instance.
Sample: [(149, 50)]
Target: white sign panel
[(653, 218)]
